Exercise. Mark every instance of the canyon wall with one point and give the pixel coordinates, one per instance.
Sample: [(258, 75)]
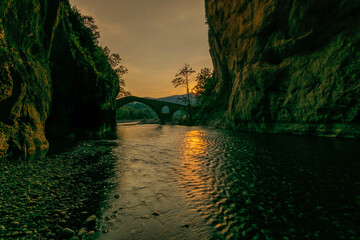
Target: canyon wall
[(287, 66), (47, 69)]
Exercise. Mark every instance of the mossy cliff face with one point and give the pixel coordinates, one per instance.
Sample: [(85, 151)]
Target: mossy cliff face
[(287, 66), (45, 68)]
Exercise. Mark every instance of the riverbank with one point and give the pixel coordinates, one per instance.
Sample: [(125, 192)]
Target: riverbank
[(139, 121), (58, 197), (155, 121)]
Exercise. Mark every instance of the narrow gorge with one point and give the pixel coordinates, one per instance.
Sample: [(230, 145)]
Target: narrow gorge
[(82, 158), (280, 66)]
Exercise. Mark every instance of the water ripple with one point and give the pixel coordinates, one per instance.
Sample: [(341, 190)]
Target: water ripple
[(196, 183)]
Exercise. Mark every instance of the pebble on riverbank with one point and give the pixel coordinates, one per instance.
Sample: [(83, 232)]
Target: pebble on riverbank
[(67, 233), (156, 214), (90, 222), (46, 198)]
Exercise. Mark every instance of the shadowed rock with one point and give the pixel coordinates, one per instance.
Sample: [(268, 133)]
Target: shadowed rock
[(287, 66), (49, 73)]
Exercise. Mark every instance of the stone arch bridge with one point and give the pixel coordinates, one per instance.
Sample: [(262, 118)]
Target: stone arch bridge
[(156, 105)]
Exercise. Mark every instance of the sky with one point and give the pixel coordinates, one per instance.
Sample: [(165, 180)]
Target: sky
[(154, 39)]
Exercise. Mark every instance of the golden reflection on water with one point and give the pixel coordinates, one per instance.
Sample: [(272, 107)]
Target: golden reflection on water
[(194, 143), (194, 179)]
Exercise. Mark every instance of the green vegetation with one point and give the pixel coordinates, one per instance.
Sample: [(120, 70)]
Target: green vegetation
[(135, 111), (206, 100), (205, 84), (51, 64), (202, 91), (110, 63), (86, 79)]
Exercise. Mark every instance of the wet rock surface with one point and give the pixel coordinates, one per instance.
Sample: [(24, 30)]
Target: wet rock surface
[(286, 66), (58, 197)]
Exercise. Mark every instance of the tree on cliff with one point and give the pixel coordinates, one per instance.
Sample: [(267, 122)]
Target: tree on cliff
[(85, 27), (204, 92), (108, 62), (204, 83), (183, 79), (114, 60)]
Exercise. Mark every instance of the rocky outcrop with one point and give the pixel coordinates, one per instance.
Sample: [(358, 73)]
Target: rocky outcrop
[(45, 68), (287, 66)]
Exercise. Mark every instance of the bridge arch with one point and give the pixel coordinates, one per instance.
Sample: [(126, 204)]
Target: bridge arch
[(179, 113), (127, 102), (156, 105), (165, 110)]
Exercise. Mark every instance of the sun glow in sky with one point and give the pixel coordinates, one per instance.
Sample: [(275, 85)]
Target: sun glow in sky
[(154, 38)]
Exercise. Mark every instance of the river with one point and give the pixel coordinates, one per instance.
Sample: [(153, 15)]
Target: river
[(179, 182)]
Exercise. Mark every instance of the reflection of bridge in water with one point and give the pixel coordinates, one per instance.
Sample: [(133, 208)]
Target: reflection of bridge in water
[(156, 105)]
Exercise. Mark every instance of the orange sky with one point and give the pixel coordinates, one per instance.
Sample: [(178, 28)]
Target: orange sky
[(154, 38)]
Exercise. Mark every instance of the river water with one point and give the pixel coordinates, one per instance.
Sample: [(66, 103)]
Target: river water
[(178, 182)]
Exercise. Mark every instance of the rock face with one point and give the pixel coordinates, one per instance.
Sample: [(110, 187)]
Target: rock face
[(287, 66), (45, 68)]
